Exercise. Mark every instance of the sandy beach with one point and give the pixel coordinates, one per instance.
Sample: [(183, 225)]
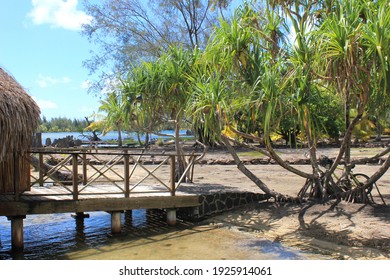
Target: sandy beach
[(342, 230)]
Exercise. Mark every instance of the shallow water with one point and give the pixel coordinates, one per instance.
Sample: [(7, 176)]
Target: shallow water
[(145, 235)]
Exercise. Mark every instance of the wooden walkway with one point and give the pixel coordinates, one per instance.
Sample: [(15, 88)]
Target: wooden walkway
[(78, 181), (55, 200), (83, 180)]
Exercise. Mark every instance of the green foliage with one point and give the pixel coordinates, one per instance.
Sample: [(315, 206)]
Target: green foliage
[(254, 78), (61, 124), (129, 32), (160, 142), (329, 116)]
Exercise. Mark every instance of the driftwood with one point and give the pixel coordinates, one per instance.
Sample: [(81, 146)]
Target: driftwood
[(62, 176)]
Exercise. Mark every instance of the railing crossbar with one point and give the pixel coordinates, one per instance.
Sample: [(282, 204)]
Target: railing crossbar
[(50, 172), (109, 165), (59, 165), (106, 179), (101, 173), (150, 173), (136, 161)]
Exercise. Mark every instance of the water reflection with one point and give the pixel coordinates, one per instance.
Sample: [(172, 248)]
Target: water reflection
[(80, 231), (275, 248), (53, 236), (145, 234)]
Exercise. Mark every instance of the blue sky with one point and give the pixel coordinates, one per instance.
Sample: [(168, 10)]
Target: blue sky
[(42, 47)]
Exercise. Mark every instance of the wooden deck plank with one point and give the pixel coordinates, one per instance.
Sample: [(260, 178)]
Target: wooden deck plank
[(99, 197), (16, 208)]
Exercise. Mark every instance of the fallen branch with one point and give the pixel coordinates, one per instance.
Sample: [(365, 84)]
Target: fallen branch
[(377, 156), (65, 177)]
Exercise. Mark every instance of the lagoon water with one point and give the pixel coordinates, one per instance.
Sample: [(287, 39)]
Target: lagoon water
[(112, 135), (145, 235)]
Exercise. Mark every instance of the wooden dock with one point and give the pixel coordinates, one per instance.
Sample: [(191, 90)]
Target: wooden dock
[(79, 181), (44, 204)]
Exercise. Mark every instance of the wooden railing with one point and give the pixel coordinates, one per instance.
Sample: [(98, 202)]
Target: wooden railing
[(104, 172)]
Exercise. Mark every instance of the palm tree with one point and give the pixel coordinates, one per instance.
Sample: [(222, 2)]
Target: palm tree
[(248, 79), (176, 66), (354, 42), (230, 80), (161, 88), (245, 69), (114, 117)]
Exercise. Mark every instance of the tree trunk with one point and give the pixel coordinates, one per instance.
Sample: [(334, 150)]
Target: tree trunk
[(180, 164), (120, 143), (248, 173), (285, 165), (379, 130), (344, 146), (378, 174), (139, 139), (319, 188), (347, 144), (94, 137), (146, 139), (272, 154)]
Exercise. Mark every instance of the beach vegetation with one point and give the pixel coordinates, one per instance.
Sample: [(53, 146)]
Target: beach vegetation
[(291, 70)]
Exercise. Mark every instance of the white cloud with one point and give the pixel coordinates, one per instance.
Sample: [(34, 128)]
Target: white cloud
[(45, 81), (86, 84), (110, 85), (58, 13), (45, 104)]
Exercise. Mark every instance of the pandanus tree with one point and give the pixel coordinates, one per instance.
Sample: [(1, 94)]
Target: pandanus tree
[(111, 116), (177, 65), (230, 80), (354, 42), (161, 87), (288, 60), (338, 50), (141, 93)]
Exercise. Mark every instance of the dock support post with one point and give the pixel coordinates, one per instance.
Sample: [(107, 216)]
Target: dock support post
[(128, 215), (128, 219), (17, 233), (171, 217), (116, 222), (80, 216)]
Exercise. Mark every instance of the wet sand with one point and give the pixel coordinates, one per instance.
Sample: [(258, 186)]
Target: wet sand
[(202, 242)]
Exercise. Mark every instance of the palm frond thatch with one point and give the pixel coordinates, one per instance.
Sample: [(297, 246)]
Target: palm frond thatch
[(19, 116)]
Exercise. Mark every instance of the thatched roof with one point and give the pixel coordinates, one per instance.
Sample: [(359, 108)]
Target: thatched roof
[(19, 116)]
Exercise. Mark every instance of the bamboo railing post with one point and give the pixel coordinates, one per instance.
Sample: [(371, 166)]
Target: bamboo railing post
[(127, 174), (40, 169), (16, 175), (173, 177), (75, 182), (85, 175)]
